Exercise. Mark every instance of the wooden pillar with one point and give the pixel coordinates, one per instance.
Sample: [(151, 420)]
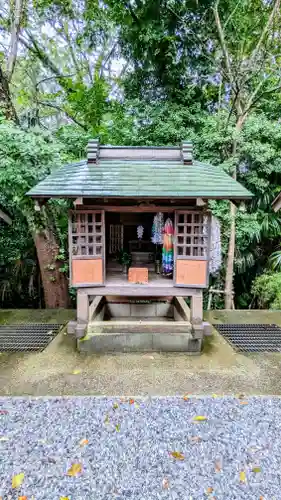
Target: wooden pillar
[(197, 308), (82, 306)]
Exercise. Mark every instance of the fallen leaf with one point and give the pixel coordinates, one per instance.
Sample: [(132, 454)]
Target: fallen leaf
[(242, 477), (165, 483), (42, 441), (199, 418), (195, 439), (218, 466), (241, 396), (76, 372), (3, 438), (256, 469), (22, 498), (74, 470), (106, 420), (17, 480), (136, 405), (64, 498), (244, 403), (131, 401), (83, 442), (186, 397), (117, 427), (209, 490), (261, 498), (115, 406), (177, 455)]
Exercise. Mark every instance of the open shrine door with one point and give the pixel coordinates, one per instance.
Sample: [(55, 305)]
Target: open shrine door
[(191, 249), (87, 247)]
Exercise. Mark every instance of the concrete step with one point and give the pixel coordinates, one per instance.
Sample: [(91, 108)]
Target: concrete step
[(139, 326), (139, 342), (145, 319)]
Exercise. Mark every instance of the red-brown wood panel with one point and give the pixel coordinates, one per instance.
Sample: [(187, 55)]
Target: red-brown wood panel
[(87, 271), (191, 272)]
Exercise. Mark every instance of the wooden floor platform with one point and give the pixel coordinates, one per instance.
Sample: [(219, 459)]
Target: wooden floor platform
[(158, 286)]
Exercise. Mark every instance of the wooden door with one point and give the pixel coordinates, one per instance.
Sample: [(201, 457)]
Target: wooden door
[(191, 248), (87, 247)]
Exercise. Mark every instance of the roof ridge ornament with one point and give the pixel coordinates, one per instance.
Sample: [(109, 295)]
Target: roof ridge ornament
[(93, 150), (186, 149)]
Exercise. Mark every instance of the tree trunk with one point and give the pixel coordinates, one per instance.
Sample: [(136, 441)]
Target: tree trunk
[(230, 260), (55, 283), (228, 288), (5, 99)]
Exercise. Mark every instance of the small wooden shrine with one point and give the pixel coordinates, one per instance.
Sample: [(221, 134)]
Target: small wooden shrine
[(139, 243)]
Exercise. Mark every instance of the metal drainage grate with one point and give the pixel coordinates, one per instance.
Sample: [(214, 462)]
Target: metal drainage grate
[(251, 337), (28, 337)]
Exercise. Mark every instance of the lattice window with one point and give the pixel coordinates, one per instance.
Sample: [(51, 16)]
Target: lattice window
[(192, 235), (116, 232), (87, 234)]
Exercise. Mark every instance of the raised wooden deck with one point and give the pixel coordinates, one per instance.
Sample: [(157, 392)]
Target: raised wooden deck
[(117, 283)]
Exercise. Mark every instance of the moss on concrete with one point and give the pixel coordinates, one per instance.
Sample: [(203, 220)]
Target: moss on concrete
[(15, 316)]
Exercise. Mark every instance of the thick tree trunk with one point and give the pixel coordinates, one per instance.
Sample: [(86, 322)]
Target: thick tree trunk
[(55, 284), (228, 288), (5, 99)]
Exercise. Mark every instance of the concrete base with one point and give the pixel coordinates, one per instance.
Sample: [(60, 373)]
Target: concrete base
[(139, 342), (140, 326)]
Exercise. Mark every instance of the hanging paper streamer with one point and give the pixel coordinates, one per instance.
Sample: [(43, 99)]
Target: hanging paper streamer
[(215, 247), (168, 248), (157, 229), (140, 231)]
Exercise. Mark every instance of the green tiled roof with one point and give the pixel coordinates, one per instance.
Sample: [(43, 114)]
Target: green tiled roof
[(139, 178)]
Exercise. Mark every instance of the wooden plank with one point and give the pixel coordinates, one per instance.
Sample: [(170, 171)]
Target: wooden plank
[(182, 308), (133, 208), (95, 307), (138, 290)]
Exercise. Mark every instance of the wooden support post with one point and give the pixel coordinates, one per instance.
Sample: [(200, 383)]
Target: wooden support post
[(82, 307), (197, 308), (182, 308), (94, 307)]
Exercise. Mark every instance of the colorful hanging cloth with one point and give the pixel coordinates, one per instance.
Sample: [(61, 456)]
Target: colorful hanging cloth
[(157, 229), (168, 247)]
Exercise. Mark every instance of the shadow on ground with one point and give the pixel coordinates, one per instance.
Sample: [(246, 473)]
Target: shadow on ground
[(61, 370)]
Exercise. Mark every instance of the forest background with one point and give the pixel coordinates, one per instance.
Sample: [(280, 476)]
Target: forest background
[(139, 72)]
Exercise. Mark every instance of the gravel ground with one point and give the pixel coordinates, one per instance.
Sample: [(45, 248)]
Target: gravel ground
[(125, 448)]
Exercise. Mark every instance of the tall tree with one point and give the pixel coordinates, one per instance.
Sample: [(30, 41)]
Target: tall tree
[(249, 67)]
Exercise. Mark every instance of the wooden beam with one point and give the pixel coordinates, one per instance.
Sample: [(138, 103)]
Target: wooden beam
[(139, 291), (182, 308), (94, 307), (135, 208), (5, 217)]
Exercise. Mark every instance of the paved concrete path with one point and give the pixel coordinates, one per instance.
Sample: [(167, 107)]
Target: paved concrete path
[(142, 449)]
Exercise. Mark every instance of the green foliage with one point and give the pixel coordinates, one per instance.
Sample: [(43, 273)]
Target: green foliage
[(267, 290), (25, 158)]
